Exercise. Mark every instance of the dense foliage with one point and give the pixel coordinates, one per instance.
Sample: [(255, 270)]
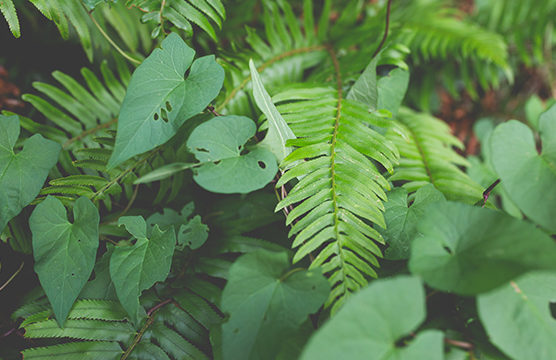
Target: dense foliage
[(266, 180)]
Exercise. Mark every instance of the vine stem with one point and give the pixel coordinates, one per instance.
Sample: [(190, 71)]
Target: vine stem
[(109, 39), (386, 27), (487, 192), (13, 276)]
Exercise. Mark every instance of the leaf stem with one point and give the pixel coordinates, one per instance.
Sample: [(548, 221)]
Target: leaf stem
[(13, 276), (386, 27), (488, 190), (109, 39), (88, 132)]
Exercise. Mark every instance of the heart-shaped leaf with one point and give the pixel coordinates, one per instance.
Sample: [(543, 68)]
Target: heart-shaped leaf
[(528, 177), (64, 253), (266, 302), (373, 321), (137, 267), (23, 174), (517, 317), (227, 165), (160, 99), (469, 250)]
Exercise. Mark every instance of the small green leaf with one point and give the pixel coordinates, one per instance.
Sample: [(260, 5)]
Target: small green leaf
[(402, 219), (278, 130), (64, 253), (517, 317), (469, 250), (266, 302), (137, 267), (365, 88), (219, 144), (193, 234), (528, 177), (8, 10), (159, 99), (23, 174), (391, 90), (373, 321)]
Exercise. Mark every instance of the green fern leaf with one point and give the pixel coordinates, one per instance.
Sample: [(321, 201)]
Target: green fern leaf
[(86, 350), (81, 329), (340, 190), (427, 157), (8, 10)]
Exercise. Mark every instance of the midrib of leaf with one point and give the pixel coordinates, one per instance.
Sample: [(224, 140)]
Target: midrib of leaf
[(333, 164), (532, 308)]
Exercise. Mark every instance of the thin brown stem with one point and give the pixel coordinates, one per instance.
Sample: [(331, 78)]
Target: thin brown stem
[(387, 26), (460, 344)]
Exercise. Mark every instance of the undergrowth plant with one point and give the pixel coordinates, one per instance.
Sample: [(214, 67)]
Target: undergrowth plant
[(279, 194)]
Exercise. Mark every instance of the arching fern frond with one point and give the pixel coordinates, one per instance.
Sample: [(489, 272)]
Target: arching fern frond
[(340, 192), (427, 157)]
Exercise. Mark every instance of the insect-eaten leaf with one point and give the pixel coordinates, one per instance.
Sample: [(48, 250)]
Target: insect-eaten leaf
[(227, 164), (137, 267), (64, 252), (22, 174), (161, 97)]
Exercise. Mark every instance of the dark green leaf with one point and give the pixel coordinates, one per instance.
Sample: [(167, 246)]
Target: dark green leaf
[(469, 250), (373, 321), (23, 174), (159, 99), (266, 302), (137, 267), (64, 253)]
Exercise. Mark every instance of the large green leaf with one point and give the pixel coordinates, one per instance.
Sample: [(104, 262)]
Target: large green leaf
[(64, 253), (278, 130), (159, 99), (23, 174), (517, 317), (219, 144), (528, 178), (365, 88), (469, 250), (267, 302), (402, 219), (137, 267), (373, 321)]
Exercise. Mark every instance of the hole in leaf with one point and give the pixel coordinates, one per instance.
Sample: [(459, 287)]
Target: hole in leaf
[(239, 147), (448, 250), (168, 106), (216, 162), (261, 164), (72, 274), (156, 117), (244, 152), (201, 150), (552, 307), (164, 115)]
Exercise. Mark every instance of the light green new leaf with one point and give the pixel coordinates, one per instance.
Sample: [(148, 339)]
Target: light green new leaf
[(469, 250), (23, 174), (266, 303), (159, 99), (137, 267), (219, 144), (163, 172), (278, 130), (373, 321), (365, 88), (528, 178), (391, 90), (517, 317), (64, 253), (402, 219), (8, 10)]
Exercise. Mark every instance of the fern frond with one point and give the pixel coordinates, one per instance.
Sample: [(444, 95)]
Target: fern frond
[(82, 329), (428, 157), (10, 14), (340, 192), (85, 350), (181, 13)]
